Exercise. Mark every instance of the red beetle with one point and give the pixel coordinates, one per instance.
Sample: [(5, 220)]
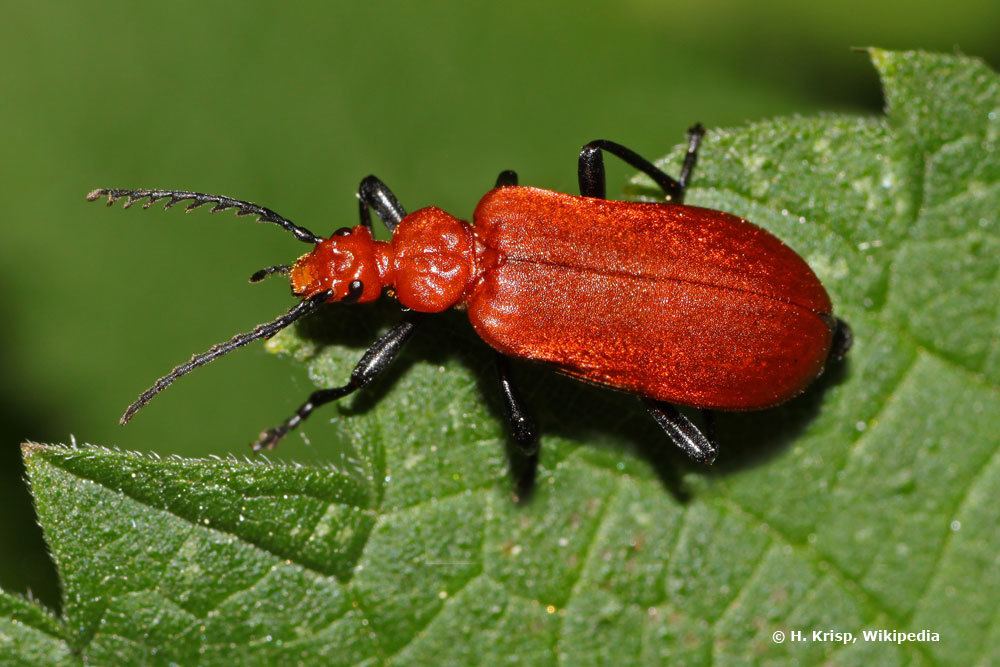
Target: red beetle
[(674, 303)]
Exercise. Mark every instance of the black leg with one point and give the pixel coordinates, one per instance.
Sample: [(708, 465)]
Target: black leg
[(506, 178), (699, 446), (843, 338), (373, 193), (708, 426), (591, 175), (523, 471), (519, 421), (376, 359), (695, 134)]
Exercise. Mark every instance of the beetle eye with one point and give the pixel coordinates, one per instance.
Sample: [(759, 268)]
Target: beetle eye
[(343, 231), (354, 291)]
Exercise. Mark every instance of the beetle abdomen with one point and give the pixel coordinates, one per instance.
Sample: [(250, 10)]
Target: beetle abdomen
[(650, 299)]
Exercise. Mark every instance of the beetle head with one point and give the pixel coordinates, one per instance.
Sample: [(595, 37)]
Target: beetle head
[(346, 264)]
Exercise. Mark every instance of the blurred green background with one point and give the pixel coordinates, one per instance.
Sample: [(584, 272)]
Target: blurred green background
[(290, 105)]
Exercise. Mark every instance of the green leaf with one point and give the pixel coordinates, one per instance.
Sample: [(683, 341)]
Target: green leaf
[(30, 634), (868, 503)]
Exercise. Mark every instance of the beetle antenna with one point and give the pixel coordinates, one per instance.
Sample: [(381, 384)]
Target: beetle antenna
[(270, 271), (221, 203), (266, 330)]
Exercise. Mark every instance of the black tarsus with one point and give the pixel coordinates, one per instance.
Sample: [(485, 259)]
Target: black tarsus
[(708, 427), (700, 446), (695, 134), (221, 202), (374, 194), (520, 423), (843, 339), (265, 330), (373, 363)]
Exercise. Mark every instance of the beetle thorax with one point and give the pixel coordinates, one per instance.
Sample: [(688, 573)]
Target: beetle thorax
[(432, 262)]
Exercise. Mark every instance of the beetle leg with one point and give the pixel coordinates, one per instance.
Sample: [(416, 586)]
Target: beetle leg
[(590, 169), (695, 134), (700, 446), (373, 193), (506, 178), (591, 175), (708, 426), (519, 421), (843, 338), (375, 360)]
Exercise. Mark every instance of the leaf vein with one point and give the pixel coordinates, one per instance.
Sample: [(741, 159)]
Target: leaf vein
[(862, 436), (600, 527), (308, 496), (823, 563), (745, 586), (430, 619), (955, 509), (681, 526), (434, 500)]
